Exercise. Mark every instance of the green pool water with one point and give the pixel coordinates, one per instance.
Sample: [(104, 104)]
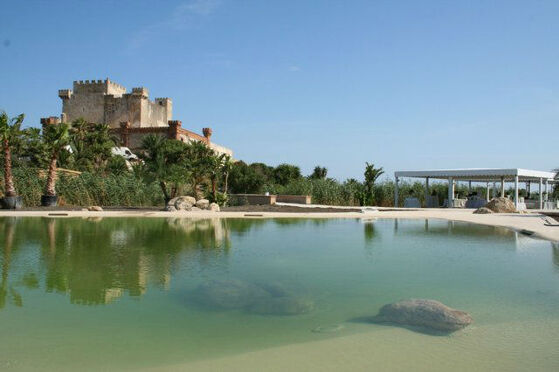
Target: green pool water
[(118, 293)]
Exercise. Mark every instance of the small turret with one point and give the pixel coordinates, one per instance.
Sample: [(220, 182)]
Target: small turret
[(207, 133), (65, 93), (140, 91)]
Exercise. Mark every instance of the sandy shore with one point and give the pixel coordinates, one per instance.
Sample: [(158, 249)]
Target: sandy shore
[(533, 223)]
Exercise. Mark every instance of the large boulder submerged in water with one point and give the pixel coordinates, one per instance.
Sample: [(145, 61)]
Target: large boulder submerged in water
[(233, 294), (229, 294), (289, 305), (429, 314)]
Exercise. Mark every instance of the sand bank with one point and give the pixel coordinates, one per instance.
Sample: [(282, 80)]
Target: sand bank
[(529, 223), (495, 347)]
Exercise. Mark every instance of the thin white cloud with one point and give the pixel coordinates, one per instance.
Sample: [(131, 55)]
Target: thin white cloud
[(183, 16), (294, 68), (202, 7)]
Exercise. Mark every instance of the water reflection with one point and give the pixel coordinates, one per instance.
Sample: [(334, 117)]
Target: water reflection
[(555, 254), (97, 261), (454, 228), (7, 291), (369, 230)]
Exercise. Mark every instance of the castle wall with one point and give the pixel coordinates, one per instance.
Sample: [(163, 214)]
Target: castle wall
[(121, 109), (154, 114), (89, 106)]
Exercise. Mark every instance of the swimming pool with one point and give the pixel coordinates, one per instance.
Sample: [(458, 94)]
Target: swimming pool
[(119, 293)]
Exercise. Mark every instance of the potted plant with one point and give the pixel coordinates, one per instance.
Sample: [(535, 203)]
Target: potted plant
[(57, 137), (9, 132)]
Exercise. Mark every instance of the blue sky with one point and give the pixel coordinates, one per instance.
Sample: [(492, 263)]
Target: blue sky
[(403, 84)]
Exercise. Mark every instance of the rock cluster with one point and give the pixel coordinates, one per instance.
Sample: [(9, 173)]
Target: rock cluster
[(429, 314), (189, 203), (263, 300), (483, 210), (95, 208), (497, 205)]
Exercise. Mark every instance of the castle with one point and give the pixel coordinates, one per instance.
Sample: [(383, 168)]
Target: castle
[(129, 115)]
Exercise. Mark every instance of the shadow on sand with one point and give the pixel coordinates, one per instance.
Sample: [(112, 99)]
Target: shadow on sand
[(416, 329)]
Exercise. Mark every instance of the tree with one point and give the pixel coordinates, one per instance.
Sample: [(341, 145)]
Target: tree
[(284, 173), (227, 166), (245, 179), (371, 175), (166, 162), (56, 137), (218, 169), (91, 144), (33, 151), (319, 172), (199, 156), (10, 130)]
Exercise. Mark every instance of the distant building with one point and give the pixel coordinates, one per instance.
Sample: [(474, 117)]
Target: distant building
[(130, 115)]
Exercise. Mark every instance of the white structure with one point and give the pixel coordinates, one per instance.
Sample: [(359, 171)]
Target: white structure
[(515, 175)]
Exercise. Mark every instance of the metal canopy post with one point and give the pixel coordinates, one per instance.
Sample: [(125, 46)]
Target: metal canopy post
[(516, 191), (540, 190), (426, 192), (450, 192), (396, 193), (502, 187)]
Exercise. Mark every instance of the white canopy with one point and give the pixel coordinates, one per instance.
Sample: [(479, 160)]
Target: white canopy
[(480, 175)]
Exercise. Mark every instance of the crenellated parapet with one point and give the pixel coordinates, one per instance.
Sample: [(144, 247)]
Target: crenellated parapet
[(98, 86), (65, 93), (140, 91)]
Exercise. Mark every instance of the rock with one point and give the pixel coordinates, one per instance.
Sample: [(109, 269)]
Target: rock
[(95, 208), (195, 209), (276, 290), (501, 205), (203, 203), (424, 313), (214, 207), (172, 201), (229, 294), (483, 210), (281, 306), (184, 203), (170, 208)]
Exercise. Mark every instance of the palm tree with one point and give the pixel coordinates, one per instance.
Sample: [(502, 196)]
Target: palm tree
[(152, 146), (227, 166), (371, 176), (218, 167), (319, 172), (57, 138), (10, 130)]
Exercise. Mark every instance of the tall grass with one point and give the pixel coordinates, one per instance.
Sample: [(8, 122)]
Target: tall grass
[(88, 189), (332, 192)]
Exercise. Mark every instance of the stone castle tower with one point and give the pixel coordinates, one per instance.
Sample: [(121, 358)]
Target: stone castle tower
[(131, 116), (104, 101)]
